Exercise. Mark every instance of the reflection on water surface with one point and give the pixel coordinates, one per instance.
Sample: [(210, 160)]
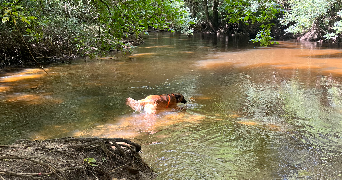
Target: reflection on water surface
[(252, 113)]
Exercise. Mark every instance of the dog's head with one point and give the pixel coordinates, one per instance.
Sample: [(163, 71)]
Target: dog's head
[(180, 98)]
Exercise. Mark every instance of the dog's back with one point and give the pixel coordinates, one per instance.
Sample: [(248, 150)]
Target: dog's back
[(153, 103)]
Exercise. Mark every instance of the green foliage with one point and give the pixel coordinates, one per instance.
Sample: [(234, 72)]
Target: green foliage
[(182, 18), (11, 12), (205, 22), (262, 17), (264, 36), (238, 17), (304, 13), (70, 28), (337, 27), (260, 12), (321, 15)]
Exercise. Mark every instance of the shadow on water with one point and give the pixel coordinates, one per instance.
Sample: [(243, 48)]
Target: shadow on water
[(252, 113)]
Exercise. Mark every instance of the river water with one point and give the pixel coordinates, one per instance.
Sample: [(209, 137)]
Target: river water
[(252, 113)]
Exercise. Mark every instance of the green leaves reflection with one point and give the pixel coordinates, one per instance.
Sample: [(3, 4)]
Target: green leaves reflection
[(312, 110)]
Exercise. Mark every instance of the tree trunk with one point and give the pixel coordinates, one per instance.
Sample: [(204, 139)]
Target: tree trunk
[(215, 16), (206, 11)]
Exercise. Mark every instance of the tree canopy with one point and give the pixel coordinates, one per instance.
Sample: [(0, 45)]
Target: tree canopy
[(322, 16), (264, 19)]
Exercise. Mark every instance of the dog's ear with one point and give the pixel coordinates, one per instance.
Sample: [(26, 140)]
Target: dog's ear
[(180, 98)]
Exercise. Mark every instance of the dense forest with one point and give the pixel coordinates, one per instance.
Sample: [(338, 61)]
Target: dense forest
[(35, 30)]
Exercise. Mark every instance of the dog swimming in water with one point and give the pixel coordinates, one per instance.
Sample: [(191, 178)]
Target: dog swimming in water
[(153, 103)]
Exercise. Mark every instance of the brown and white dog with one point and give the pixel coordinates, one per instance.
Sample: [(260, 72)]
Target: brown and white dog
[(154, 103)]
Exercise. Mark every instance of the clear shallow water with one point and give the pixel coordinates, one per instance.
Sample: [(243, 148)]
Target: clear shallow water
[(253, 113)]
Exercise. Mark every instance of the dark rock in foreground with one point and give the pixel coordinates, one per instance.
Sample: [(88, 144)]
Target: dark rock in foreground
[(73, 158)]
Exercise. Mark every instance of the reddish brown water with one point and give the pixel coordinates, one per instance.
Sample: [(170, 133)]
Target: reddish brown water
[(252, 113)]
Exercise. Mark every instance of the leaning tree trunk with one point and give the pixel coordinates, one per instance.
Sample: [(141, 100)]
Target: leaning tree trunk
[(206, 11)]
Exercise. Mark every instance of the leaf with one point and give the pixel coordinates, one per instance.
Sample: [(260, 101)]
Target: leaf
[(31, 17), (5, 19), (7, 11), (15, 13), (90, 160), (24, 19), (18, 7)]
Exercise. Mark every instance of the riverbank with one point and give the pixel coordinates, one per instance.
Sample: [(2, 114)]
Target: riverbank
[(74, 158)]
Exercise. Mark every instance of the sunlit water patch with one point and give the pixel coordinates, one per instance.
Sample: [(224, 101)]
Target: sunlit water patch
[(127, 126), (325, 60), (23, 75)]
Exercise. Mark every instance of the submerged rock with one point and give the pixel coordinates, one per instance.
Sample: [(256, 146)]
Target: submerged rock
[(73, 158)]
